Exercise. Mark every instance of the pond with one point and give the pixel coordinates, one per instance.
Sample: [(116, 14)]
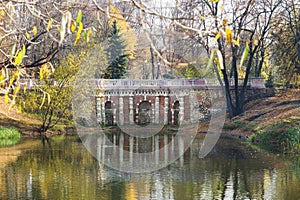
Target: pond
[(66, 170)]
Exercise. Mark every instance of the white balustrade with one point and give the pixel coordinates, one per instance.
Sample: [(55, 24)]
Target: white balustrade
[(155, 84)]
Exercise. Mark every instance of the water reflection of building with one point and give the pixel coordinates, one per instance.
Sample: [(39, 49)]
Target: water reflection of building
[(211, 178), (129, 153)]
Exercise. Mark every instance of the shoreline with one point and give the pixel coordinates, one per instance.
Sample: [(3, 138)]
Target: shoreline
[(260, 116)]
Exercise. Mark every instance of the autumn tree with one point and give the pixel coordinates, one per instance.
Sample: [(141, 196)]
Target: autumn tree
[(51, 101), (286, 43), (38, 34), (233, 30)]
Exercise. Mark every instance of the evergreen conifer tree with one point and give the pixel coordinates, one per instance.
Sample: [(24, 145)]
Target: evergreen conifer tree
[(118, 60)]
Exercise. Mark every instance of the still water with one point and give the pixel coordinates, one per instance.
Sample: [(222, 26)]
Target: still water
[(65, 170)]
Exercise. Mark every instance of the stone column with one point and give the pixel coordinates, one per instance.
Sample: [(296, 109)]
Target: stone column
[(131, 110), (172, 114), (181, 109), (98, 110), (121, 111), (103, 110), (187, 108), (166, 109), (114, 110), (192, 101), (156, 111), (137, 111)]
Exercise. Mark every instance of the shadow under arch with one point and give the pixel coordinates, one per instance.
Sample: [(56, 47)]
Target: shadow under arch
[(109, 115), (144, 113), (176, 112)]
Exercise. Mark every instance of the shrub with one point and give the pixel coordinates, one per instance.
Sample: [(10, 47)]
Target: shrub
[(282, 137)]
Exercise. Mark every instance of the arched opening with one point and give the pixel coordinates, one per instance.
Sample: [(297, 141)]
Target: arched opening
[(144, 113), (109, 116), (176, 112)]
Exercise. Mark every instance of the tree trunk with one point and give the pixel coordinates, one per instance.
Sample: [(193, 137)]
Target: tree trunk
[(240, 105), (236, 110), (152, 63), (260, 65), (158, 70)]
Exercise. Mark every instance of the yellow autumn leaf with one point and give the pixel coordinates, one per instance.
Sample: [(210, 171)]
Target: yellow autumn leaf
[(25, 89), (49, 98), (3, 72), (34, 30), (2, 80), (20, 56), (43, 101), (18, 59), (41, 73), (6, 98), (44, 71), (50, 22), (44, 98), (16, 90), (73, 27), (11, 81), (241, 73), (16, 75), (220, 59), (27, 35), (78, 35), (215, 1), (224, 22), (228, 33), (217, 36), (19, 108), (237, 41), (88, 34), (79, 17), (2, 14), (203, 18)]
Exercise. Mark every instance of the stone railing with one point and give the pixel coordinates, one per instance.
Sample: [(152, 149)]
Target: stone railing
[(156, 84), (171, 83)]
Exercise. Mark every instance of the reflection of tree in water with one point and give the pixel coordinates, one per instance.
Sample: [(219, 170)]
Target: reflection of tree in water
[(144, 113), (231, 171)]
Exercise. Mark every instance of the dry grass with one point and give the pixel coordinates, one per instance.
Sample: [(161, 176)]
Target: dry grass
[(10, 117), (285, 105)]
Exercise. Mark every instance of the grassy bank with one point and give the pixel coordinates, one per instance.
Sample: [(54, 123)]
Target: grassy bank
[(9, 136), (273, 123)]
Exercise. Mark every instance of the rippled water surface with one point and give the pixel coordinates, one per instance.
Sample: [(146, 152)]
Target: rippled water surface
[(65, 170)]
